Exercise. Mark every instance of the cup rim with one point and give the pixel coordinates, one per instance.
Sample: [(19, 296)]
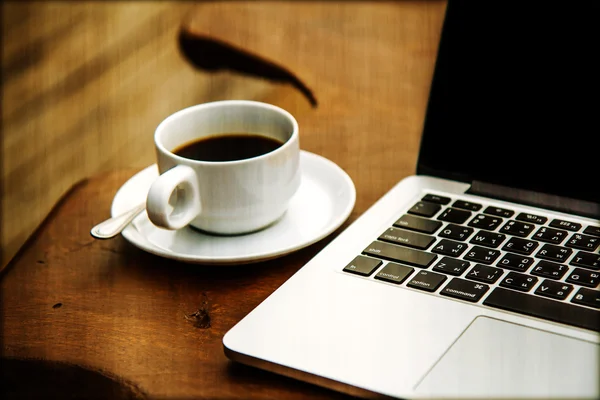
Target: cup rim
[(221, 103)]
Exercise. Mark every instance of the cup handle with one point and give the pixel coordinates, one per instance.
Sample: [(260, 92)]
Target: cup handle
[(174, 199)]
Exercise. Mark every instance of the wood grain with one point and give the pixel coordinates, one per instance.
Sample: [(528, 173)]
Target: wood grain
[(130, 315)]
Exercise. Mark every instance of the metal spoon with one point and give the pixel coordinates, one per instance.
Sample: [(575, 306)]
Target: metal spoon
[(113, 226)]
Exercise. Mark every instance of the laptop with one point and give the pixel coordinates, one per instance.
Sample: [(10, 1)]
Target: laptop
[(479, 275)]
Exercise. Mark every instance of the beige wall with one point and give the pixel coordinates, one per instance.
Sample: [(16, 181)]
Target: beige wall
[(84, 85)]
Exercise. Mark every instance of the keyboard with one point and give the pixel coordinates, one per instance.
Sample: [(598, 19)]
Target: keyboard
[(496, 257)]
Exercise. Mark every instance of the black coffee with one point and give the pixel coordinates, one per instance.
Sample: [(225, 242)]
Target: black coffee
[(228, 147)]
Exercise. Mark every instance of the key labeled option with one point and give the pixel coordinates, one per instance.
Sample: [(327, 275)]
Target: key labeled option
[(394, 273), (464, 290), (553, 289), (451, 266), (517, 281), (363, 266), (427, 280), (406, 238)]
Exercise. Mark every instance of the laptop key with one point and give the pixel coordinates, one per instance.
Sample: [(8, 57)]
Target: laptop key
[(536, 219), (464, 290), (586, 260), (449, 248), (550, 235), (406, 238), (517, 228), (515, 262), (540, 307), (434, 198), (466, 205), (592, 230), (485, 222), (583, 242), (363, 266), (484, 273), (553, 289), (517, 281), (425, 209), (404, 255), (521, 246), (500, 212), (454, 215), (482, 255), (427, 280), (587, 297), (488, 239), (456, 232), (451, 266), (568, 225), (394, 273), (549, 269), (418, 224), (584, 277), (554, 253)]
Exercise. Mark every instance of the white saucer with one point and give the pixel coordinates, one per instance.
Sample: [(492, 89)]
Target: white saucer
[(323, 202)]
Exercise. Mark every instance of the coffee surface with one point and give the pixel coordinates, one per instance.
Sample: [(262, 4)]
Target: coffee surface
[(228, 147)]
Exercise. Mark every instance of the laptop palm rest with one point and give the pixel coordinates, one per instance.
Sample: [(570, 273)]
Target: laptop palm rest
[(511, 360)]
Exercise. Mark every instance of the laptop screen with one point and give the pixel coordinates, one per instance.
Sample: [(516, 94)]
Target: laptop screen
[(515, 98)]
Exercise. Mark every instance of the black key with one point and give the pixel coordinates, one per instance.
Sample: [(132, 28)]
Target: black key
[(418, 224), (517, 281), (451, 266), (427, 280), (454, 215), (464, 290), (586, 260), (425, 209), (549, 269), (394, 273), (482, 255), (483, 273), (485, 222), (592, 230), (553, 289), (568, 225), (362, 266), (554, 253), (536, 219), (584, 277), (515, 262), (434, 198), (521, 246), (517, 228), (540, 307), (587, 297), (456, 232), (488, 239), (583, 242), (449, 248), (500, 212), (467, 205), (550, 235), (406, 238), (391, 252)]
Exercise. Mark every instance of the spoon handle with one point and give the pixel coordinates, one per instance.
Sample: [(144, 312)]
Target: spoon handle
[(113, 226)]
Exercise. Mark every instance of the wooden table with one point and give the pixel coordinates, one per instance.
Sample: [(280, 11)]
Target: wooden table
[(103, 319)]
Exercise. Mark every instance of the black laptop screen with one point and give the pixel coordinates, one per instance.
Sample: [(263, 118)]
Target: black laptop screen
[(515, 98)]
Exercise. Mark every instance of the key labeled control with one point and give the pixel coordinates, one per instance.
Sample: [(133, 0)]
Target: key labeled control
[(394, 273)]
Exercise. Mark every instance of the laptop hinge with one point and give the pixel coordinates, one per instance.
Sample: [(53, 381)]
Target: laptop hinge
[(530, 198)]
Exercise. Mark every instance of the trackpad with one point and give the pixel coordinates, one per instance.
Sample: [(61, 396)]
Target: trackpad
[(501, 359)]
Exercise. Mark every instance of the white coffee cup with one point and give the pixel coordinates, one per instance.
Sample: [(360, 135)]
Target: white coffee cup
[(224, 197)]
